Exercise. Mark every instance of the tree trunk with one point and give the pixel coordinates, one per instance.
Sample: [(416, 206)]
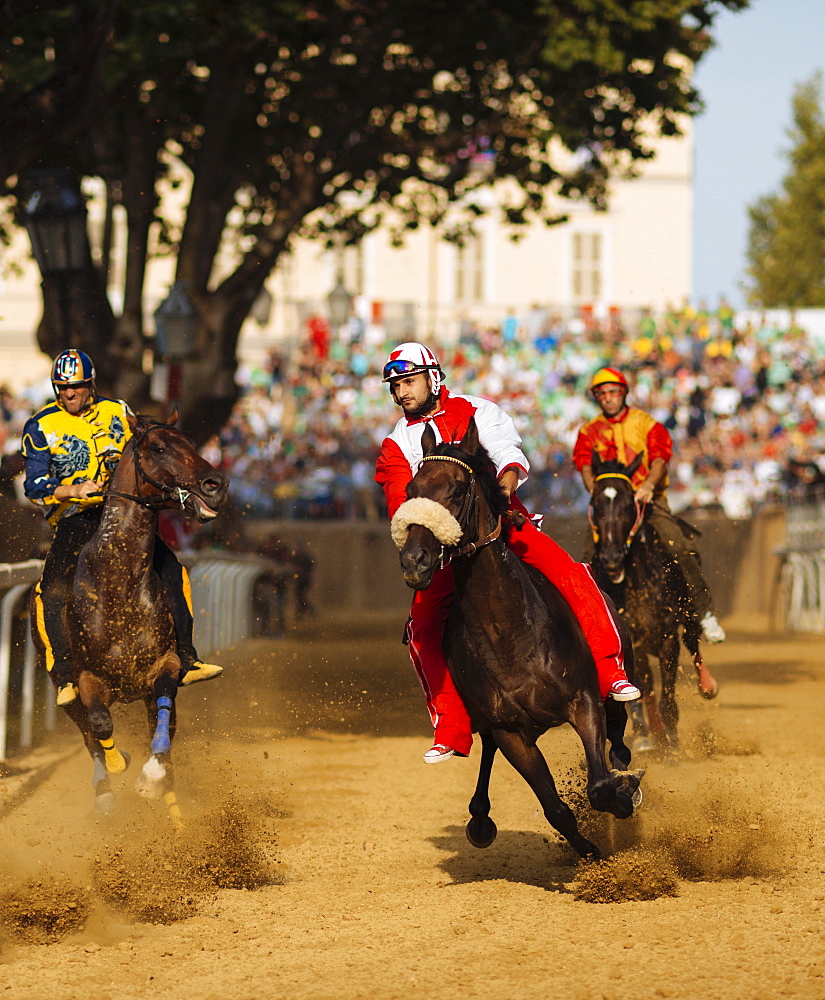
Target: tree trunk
[(76, 313)]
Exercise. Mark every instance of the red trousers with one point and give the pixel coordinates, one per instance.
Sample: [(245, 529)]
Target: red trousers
[(431, 608)]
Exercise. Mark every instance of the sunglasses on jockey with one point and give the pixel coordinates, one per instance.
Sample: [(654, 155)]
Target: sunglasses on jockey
[(399, 368)]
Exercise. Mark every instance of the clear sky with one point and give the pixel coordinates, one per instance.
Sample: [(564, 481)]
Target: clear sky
[(747, 83)]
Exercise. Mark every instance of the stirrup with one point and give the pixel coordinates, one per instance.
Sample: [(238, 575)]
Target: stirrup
[(66, 694), (200, 671)]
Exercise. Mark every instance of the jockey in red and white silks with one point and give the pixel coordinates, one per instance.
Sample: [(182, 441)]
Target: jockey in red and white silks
[(400, 456)]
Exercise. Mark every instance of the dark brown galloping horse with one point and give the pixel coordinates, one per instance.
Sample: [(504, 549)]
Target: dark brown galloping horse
[(632, 566), (514, 647), (120, 626)]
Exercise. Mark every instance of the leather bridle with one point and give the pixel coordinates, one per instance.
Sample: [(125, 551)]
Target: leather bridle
[(470, 501), (154, 501), (640, 510)]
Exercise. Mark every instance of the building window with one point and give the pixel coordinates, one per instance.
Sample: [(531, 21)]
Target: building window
[(353, 267), (469, 271), (587, 267)]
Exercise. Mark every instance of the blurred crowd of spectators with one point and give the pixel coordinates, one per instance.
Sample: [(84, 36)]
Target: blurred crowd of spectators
[(745, 405)]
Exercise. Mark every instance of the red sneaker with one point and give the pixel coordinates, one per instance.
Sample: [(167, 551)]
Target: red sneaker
[(623, 690), (437, 753)]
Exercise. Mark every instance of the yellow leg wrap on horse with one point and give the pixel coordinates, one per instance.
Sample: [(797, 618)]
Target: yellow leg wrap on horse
[(175, 816), (115, 761)]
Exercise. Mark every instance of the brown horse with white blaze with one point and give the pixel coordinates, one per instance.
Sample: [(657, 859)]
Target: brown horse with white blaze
[(121, 629), (514, 647)]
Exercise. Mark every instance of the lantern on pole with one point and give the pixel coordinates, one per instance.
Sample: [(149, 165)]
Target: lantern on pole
[(55, 219), (177, 322)]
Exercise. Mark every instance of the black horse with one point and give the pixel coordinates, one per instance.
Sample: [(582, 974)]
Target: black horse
[(121, 629), (515, 649), (632, 565)]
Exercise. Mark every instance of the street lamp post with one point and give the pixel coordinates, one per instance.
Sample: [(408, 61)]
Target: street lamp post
[(339, 303), (177, 322), (55, 219)]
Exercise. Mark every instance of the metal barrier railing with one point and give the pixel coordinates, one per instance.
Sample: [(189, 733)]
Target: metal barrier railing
[(225, 591), (17, 579), (802, 570), (802, 578)]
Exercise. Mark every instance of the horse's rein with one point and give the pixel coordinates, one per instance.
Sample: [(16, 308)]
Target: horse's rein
[(164, 493), (472, 495), (640, 509)]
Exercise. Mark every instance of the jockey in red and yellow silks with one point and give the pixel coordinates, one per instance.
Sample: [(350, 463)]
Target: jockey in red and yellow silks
[(416, 384), (620, 433), (621, 439)]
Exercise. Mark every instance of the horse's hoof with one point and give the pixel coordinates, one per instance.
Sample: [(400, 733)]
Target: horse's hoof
[(149, 789), (481, 832), (151, 779), (105, 803), (642, 744), (117, 761), (637, 798), (708, 693), (705, 682)]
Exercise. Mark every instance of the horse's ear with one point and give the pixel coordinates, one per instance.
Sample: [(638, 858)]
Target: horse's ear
[(596, 462), (428, 439), (470, 442), (172, 417), (634, 465), (132, 420)]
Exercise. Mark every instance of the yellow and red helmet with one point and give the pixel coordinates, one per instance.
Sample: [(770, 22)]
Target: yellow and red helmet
[(608, 376)]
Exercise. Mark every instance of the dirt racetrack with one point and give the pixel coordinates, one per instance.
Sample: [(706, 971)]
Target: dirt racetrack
[(322, 859)]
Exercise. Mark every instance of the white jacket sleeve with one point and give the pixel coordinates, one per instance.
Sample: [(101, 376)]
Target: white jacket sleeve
[(498, 433)]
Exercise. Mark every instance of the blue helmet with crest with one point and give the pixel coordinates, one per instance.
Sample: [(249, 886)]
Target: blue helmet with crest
[(72, 368)]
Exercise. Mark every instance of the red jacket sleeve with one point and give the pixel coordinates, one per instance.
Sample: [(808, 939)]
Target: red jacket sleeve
[(659, 443), (582, 450), (392, 473)]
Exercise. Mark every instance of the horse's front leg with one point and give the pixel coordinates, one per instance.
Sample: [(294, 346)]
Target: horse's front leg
[(669, 666), (155, 779), (705, 681), (104, 796), (642, 726), (481, 830), (615, 713), (607, 791), (531, 765), (96, 698)]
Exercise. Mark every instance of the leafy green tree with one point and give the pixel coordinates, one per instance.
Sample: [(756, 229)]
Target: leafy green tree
[(786, 250), (316, 116)]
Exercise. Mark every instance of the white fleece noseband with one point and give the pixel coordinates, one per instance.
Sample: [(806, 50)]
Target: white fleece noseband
[(429, 514)]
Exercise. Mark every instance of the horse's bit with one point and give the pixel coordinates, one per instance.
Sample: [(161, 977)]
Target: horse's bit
[(470, 499), (165, 492), (640, 510)]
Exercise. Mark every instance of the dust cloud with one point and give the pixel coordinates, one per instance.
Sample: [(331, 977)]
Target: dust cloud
[(140, 875)]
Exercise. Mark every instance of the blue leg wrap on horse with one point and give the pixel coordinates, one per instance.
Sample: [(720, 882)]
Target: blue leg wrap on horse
[(161, 741)]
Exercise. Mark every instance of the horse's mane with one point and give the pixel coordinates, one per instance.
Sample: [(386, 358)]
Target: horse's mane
[(485, 473)]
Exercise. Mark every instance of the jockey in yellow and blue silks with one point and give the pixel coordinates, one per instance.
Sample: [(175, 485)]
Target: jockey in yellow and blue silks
[(64, 447), (71, 448)]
